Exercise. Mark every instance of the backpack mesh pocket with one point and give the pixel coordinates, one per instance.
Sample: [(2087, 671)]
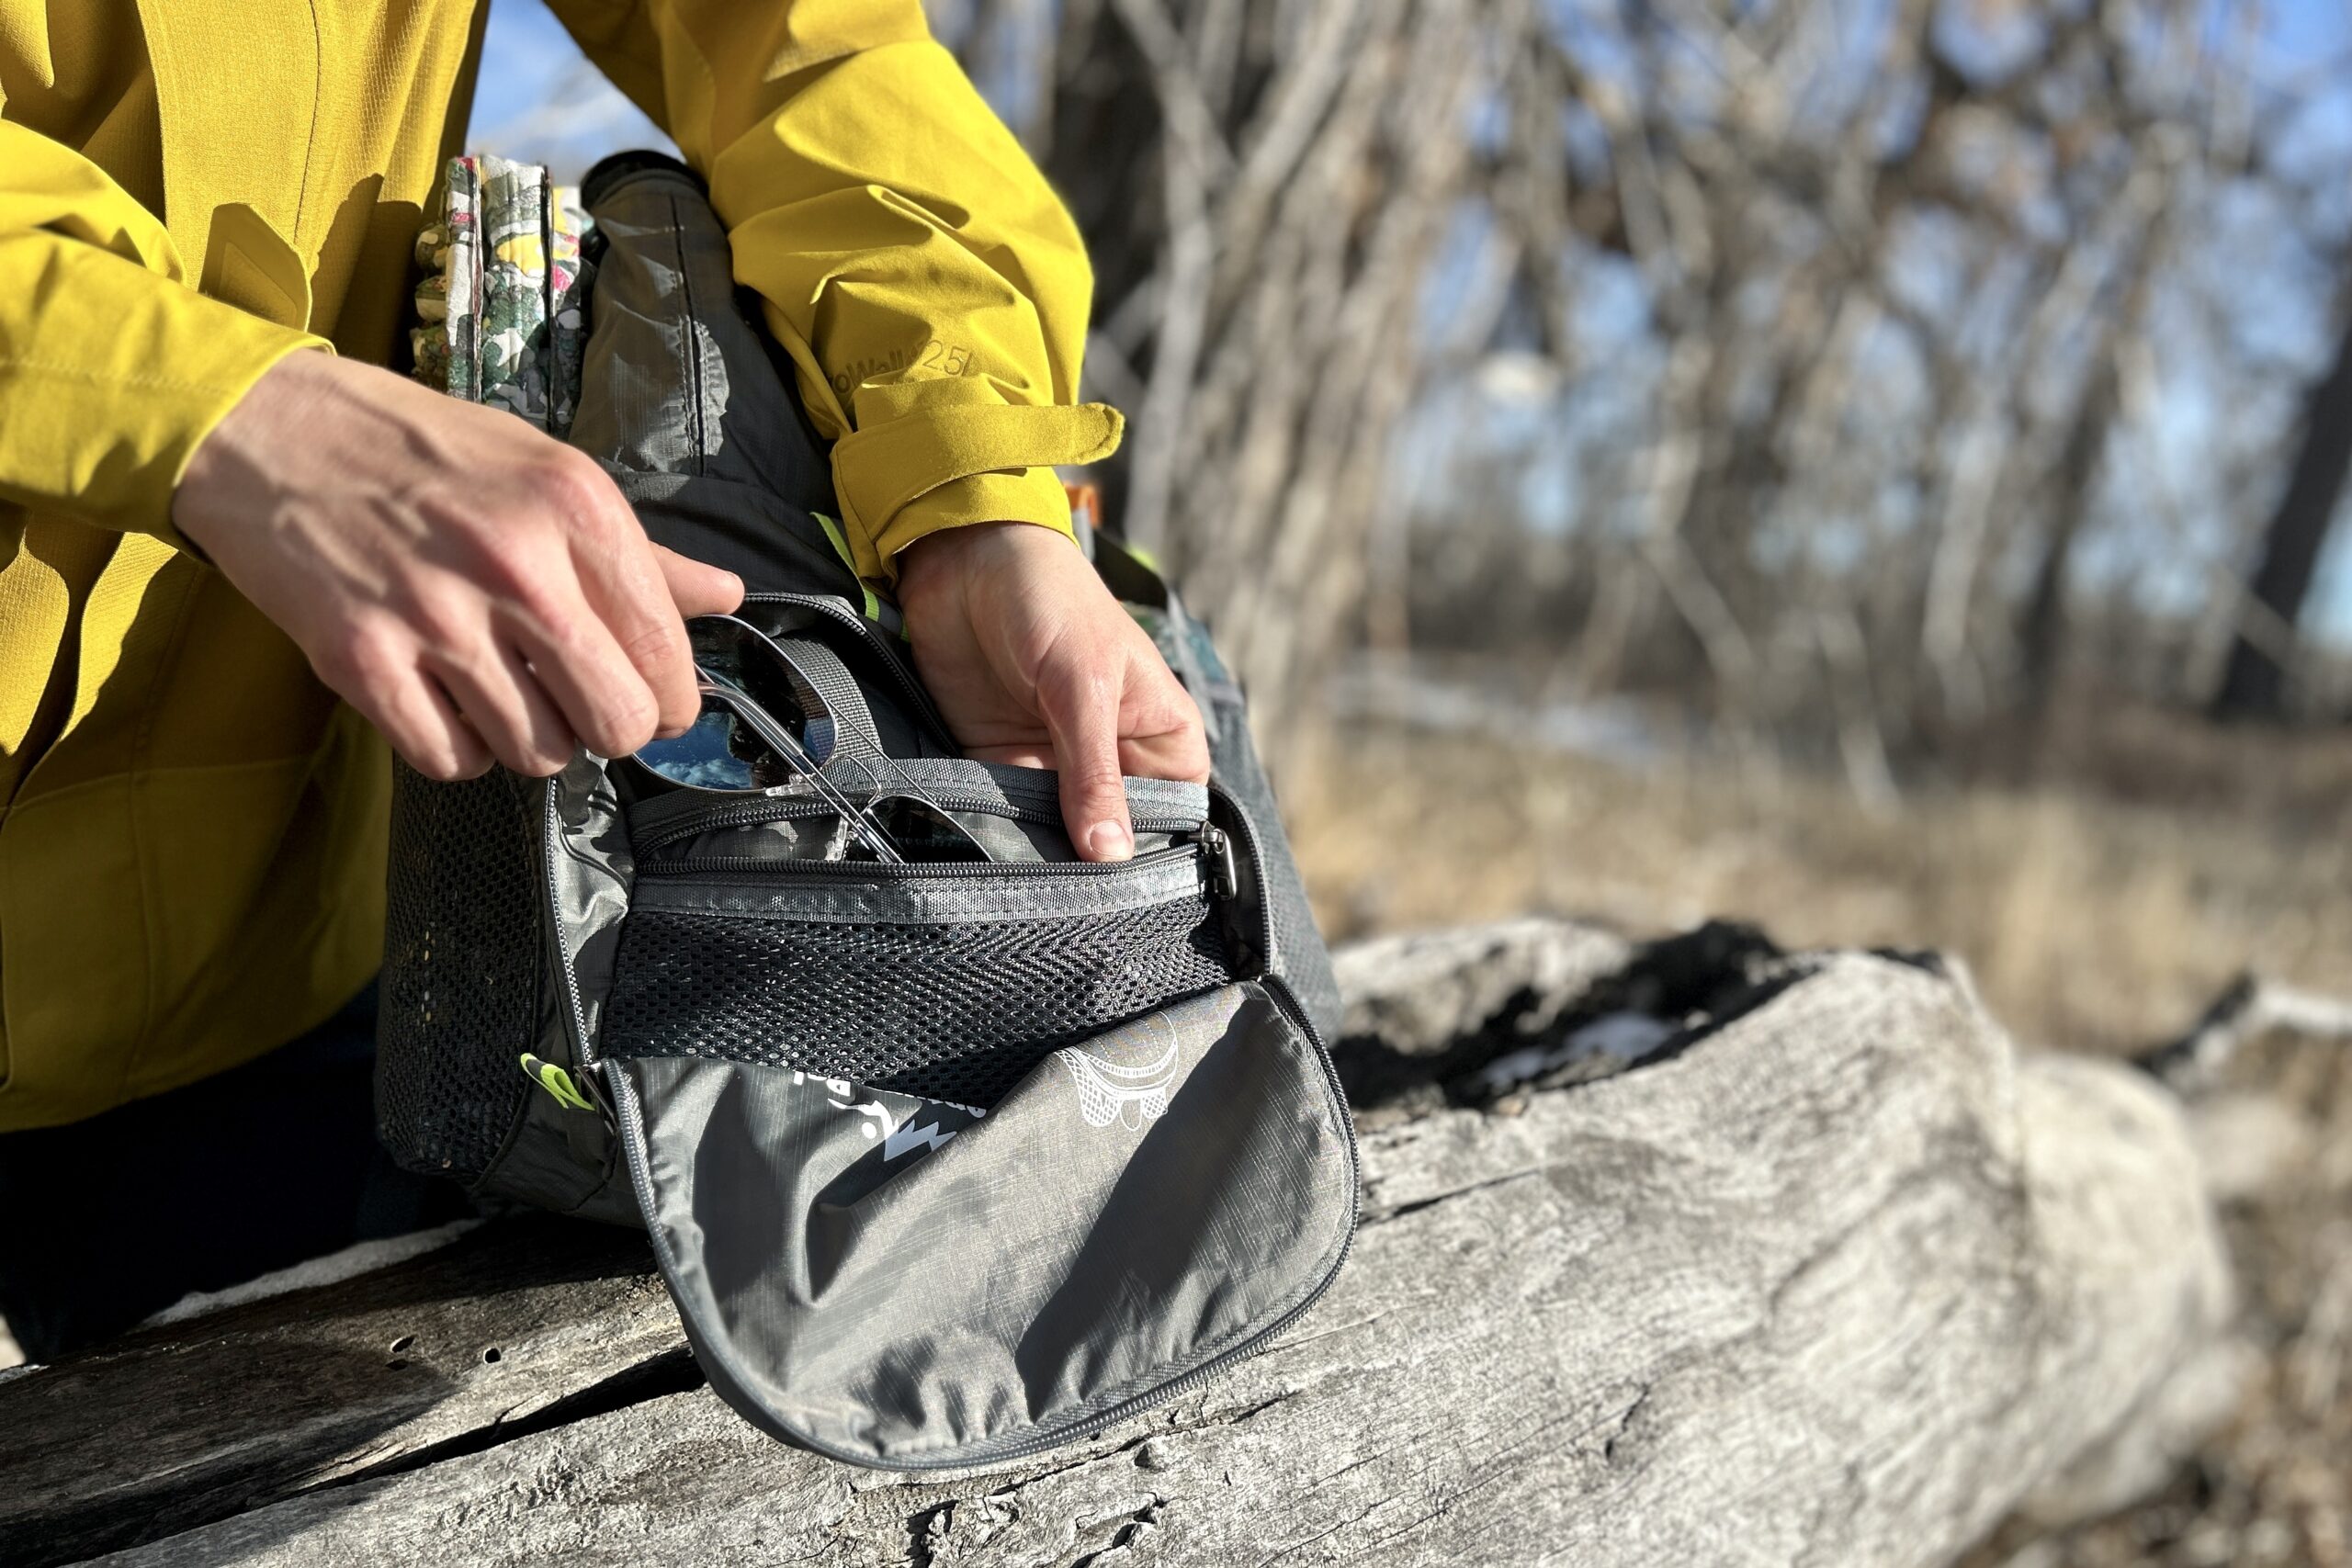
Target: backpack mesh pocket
[(461, 971), (957, 1011)]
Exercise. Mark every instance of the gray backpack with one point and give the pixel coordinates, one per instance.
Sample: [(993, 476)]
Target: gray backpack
[(945, 1161)]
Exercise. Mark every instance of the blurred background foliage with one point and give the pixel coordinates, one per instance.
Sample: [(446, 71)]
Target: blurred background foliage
[(1867, 466), (1866, 373), (1869, 372), (1864, 464)]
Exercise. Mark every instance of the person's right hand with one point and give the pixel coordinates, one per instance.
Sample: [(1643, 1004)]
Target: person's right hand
[(475, 587)]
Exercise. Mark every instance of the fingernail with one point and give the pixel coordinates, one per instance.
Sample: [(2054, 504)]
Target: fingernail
[(1108, 840)]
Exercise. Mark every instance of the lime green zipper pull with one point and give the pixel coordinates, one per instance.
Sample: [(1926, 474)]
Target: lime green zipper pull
[(557, 1082)]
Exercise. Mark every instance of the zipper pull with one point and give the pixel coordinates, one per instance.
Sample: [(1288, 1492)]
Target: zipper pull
[(565, 1090), (1217, 862)]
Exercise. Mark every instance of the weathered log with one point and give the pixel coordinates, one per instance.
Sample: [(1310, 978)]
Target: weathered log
[(1824, 1273), (181, 1424)]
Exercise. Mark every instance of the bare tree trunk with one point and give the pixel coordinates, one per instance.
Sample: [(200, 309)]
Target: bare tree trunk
[(2042, 638), (1316, 224), (2255, 685)]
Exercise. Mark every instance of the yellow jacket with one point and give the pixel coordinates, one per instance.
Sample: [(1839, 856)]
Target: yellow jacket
[(191, 828)]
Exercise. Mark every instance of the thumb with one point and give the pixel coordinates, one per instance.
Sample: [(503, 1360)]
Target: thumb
[(698, 589), (1081, 716)]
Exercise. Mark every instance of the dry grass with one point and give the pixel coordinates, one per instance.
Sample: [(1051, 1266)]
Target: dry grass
[(2090, 922), (2099, 917)]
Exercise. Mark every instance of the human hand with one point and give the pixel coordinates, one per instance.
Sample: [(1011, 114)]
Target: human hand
[(478, 589), (1033, 662)]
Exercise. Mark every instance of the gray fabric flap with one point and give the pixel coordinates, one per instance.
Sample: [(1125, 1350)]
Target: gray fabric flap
[(895, 1282)]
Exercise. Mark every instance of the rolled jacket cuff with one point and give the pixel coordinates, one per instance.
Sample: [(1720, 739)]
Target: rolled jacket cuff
[(1029, 495), (945, 468)]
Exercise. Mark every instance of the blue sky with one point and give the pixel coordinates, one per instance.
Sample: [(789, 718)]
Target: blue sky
[(540, 100)]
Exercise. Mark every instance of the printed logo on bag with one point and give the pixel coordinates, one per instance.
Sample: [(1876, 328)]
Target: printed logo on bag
[(923, 1124), (1114, 1085)]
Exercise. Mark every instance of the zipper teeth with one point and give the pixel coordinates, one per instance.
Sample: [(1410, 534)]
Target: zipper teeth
[(583, 1050), (869, 871), (783, 810)]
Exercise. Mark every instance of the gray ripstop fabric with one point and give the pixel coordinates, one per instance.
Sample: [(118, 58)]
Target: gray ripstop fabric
[(686, 400), (1138, 1208), (945, 1161)]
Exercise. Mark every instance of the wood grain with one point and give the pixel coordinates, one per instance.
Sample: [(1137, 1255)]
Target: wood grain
[(1836, 1278)]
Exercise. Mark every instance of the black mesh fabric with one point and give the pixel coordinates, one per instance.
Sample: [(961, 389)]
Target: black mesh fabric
[(955, 1012), (461, 971)]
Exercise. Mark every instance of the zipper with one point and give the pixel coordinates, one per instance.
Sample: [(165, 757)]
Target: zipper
[(786, 808), (1217, 852), (583, 1053), (1262, 938), (916, 870)]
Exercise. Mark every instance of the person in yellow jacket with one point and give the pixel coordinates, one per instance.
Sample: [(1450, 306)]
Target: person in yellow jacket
[(237, 554)]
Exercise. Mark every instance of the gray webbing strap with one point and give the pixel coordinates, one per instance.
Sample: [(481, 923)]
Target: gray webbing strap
[(854, 738)]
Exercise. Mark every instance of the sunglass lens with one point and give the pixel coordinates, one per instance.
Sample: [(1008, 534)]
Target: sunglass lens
[(717, 752), (732, 654)]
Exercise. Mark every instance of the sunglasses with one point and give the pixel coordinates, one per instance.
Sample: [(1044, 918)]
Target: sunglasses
[(765, 722)]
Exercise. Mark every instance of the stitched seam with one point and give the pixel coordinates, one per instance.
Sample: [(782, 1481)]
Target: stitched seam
[(310, 142), (80, 373)]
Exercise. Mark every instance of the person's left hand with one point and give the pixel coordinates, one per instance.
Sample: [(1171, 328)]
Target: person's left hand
[(1032, 662)]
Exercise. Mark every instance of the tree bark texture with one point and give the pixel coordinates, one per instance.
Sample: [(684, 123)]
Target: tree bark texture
[(2255, 684), (1796, 1262)]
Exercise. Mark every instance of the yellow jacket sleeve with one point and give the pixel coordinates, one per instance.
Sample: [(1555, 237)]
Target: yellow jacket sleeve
[(926, 281), (112, 367)]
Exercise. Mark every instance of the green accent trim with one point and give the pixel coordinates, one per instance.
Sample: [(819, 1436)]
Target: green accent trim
[(557, 1082), (841, 548), (833, 533)]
